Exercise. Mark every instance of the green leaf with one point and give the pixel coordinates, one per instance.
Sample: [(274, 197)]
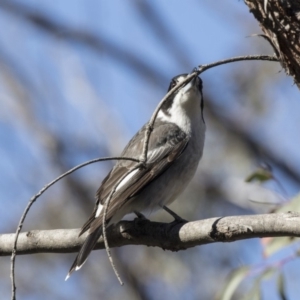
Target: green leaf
[(292, 205), (234, 280), (277, 243), (255, 292), (261, 175), (281, 287)]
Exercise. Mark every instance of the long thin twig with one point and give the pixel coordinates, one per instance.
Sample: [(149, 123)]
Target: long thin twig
[(203, 68), (154, 115), (198, 71), (106, 205), (143, 159), (35, 197)]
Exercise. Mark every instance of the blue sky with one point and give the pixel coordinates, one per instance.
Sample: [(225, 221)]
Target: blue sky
[(94, 98)]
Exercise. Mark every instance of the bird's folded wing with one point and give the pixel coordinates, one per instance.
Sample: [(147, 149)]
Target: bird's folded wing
[(166, 144)]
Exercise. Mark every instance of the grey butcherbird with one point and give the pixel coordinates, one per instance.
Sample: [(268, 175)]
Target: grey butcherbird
[(174, 151)]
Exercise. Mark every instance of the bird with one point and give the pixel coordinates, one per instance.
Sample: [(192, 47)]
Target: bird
[(175, 148)]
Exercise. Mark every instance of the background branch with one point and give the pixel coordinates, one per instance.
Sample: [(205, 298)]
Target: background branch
[(163, 235)]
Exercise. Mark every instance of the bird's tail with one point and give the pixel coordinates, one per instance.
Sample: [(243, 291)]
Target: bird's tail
[(85, 250)]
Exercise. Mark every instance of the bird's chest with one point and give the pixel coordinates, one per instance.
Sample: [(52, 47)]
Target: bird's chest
[(180, 173), (167, 186), (186, 165), (194, 149)]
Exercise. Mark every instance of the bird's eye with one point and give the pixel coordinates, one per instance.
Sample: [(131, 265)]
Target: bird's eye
[(172, 84)]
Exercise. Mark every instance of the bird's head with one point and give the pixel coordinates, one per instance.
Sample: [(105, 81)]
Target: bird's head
[(188, 99)]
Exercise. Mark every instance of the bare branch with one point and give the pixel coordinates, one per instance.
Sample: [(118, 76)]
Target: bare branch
[(203, 68), (196, 72), (34, 198), (154, 115), (168, 236), (106, 205), (143, 160)]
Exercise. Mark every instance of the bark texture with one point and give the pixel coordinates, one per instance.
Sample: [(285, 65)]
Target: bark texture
[(172, 236), (280, 23)]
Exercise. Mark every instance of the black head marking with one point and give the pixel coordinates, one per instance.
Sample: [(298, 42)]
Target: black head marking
[(176, 79), (200, 85), (202, 99), (168, 103)]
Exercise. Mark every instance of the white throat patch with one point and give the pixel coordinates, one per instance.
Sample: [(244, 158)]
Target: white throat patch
[(184, 109)]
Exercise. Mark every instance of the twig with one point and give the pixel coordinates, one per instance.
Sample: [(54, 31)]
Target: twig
[(203, 68), (106, 205), (150, 124), (143, 159), (34, 198), (154, 115), (198, 71)]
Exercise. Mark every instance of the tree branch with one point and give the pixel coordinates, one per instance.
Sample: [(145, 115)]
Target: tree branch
[(280, 22), (168, 236)]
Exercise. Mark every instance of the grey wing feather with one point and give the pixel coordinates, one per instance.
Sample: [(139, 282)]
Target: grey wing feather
[(166, 143)]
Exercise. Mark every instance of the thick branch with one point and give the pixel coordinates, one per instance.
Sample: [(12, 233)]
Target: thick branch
[(172, 237)]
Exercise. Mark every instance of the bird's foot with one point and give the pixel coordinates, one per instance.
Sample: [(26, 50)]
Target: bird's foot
[(140, 215), (177, 219)]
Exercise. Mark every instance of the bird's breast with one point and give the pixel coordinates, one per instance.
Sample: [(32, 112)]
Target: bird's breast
[(167, 187)]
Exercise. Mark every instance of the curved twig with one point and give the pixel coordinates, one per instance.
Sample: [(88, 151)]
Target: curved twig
[(35, 197), (198, 71), (143, 159), (202, 68), (106, 205)]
